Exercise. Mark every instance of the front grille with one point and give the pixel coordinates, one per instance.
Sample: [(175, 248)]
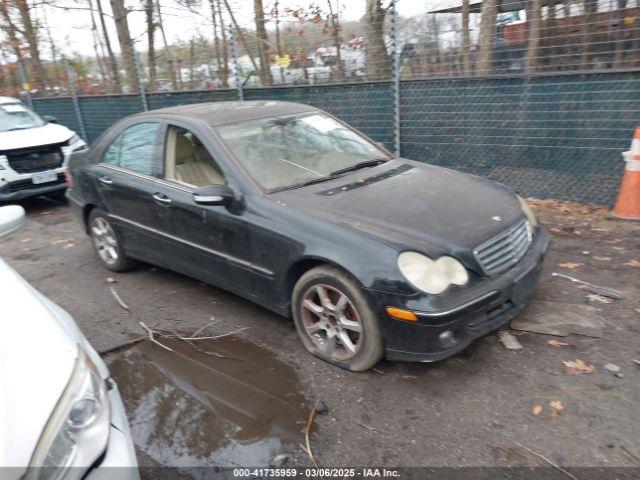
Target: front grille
[(28, 184), (35, 159), (505, 249)]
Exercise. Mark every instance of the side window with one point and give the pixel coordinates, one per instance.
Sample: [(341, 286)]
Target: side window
[(112, 153), (189, 161), (136, 147), (133, 149)]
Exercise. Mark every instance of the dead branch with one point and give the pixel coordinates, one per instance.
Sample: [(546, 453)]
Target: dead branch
[(118, 299), (152, 338), (307, 444), (553, 464)]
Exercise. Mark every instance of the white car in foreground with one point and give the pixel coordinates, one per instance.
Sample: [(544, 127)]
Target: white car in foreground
[(61, 416), (33, 151)]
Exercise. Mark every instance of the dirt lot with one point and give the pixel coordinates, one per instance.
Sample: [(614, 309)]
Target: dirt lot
[(188, 408)]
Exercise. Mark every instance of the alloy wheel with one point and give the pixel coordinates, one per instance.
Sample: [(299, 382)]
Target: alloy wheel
[(104, 240), (331, 321)]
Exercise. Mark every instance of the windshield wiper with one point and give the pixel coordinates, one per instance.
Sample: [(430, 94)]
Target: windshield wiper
[(358, 166), (304, 184)]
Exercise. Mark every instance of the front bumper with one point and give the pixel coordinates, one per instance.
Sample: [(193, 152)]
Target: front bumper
[(492, 305), (119, 459), (24, 187)]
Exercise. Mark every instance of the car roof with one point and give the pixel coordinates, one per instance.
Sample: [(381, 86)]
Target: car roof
[(223, 113), (6, 100)]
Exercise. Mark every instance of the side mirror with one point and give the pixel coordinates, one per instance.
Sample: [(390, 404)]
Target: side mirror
[(213, 195), (11, 219), (50, 119)]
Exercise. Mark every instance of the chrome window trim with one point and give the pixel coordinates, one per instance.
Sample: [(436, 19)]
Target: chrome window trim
[(230, 258), (147, 177)]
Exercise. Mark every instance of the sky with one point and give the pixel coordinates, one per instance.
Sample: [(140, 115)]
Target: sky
[(71, 29)]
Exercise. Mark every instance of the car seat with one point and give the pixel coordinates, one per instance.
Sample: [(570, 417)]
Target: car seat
[(194, 164)]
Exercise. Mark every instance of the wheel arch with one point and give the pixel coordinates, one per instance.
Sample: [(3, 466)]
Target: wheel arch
[(86, 212), (302, 266)]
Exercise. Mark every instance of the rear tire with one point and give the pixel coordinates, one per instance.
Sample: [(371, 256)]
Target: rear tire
[(334, 319), (107, 243)]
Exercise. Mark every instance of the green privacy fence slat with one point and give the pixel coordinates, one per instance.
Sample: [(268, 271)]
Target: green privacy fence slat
[(556, 136)]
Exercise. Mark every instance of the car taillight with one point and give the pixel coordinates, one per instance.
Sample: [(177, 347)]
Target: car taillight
[(68, 179)]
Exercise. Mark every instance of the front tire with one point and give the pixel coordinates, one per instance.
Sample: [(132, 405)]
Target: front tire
[(107, 243), (335, 320)]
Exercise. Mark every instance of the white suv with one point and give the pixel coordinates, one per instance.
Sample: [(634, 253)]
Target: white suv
[(33, 151)]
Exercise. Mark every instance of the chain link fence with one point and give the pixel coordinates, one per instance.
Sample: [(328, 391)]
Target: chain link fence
[(537, 94)]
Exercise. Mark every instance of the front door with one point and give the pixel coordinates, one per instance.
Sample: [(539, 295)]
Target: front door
[(208, 242)]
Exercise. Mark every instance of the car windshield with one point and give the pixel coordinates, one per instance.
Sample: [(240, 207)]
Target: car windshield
[(289, 151), (15, 116)]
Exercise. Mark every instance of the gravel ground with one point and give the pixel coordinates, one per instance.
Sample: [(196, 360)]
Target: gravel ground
[(465, 411)]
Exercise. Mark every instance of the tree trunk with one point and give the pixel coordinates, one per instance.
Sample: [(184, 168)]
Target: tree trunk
[(11, 30), (124, 39), (337, 41), (618, 56), (216, 41), (167, 52), (151, 52), (466, 39), (113, 64), (533, 41), (31, 35), (224, 71), (488, 19), (377, 61), (263, 44), (97, 44), (240, 35)]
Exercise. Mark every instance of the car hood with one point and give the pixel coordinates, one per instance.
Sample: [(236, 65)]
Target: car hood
[(416, 205), (32, 137), (38, 349)]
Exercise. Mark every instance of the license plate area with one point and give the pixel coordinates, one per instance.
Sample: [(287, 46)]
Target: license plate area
[(44, 177)]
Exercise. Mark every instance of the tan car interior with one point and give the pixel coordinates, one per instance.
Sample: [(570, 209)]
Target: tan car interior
[(189, 162)]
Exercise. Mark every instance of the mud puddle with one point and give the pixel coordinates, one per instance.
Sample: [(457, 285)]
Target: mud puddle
[(188, 409)]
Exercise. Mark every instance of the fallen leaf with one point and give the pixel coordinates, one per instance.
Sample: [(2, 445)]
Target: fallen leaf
[(25, 240), (637, 310), (594, 297), (602, 259), (577, 367), (557, 343), (633, 263), (509, 341), (570, 265), (536, 410), (556, 405), (409, 377)]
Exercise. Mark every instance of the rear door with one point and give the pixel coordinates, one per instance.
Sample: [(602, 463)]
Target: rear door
[(126, 180)]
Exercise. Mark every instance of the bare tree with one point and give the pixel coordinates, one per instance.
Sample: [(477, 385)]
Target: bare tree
[(488, 19), (30, 33), (466, 40), (224, 71), (151, 51), (334, 26), (534, 20), (376, 56), (97, 43), (113, 64), (167, 51), (241, 37), (124, 39), (588, 29), (264, 71), (10, 29)]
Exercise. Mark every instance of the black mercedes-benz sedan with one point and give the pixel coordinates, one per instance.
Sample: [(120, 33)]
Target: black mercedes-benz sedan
[(283, 204)]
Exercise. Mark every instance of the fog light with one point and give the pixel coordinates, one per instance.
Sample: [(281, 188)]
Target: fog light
[(447, 338)]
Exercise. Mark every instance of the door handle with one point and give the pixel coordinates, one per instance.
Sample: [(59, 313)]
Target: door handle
[(161, 197), (105, 180)]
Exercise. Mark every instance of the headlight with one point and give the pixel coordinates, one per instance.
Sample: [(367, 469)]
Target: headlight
[(431, 276), (531, 217), (78, 430)]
